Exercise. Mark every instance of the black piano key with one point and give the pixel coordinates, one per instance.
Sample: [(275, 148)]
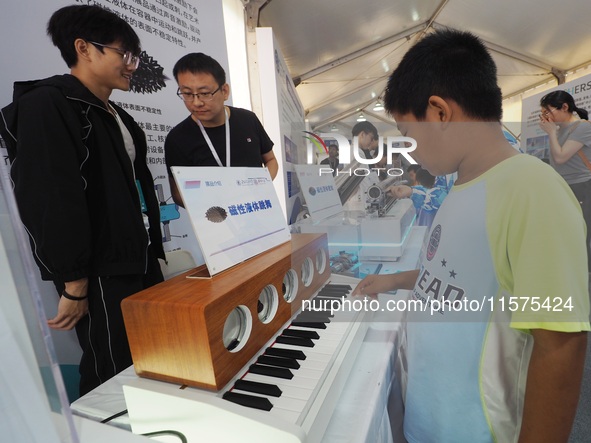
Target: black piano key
[(296, 341), (309, 324), (258, 388), (322, 316), (250, 401), (338, 295), (333, 303), (329, 295), (318, 308), (335, 288), (279, 362), (334, 285), (328, 299), (313, 335), (288, 353), (308, 319), (332, 291), (271, 371), (324, 293)]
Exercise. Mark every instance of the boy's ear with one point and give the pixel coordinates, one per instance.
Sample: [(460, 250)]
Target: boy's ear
[(438, 109)]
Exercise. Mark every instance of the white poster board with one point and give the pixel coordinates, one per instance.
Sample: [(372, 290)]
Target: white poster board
[(319, 191), (168, 31), (235, 212), (534, 140), (283, 119)]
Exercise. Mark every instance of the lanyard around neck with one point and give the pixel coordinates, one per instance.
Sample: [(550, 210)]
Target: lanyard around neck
[(208, 140)]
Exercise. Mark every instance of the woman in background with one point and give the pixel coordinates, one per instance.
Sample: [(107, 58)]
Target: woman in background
[(570, 148)]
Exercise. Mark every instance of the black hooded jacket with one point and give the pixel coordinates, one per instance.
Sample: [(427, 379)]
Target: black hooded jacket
[(74, 182)]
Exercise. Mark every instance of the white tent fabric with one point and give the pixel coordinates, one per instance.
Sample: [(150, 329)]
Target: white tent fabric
[(340, 52)]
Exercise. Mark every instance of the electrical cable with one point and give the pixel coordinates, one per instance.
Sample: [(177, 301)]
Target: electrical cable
[(178, 434), (114, 416)]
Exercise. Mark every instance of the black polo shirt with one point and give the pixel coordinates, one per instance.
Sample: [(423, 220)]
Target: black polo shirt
[(185, 145)]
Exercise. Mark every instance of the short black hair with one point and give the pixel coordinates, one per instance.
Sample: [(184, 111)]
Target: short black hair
[(197, 62), (425, 178), (452, 65), (558, 98), (366, 127), (90, 23)]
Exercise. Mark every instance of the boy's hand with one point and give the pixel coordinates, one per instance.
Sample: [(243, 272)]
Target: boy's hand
[(373, 285), (378, 284), (399, 191)]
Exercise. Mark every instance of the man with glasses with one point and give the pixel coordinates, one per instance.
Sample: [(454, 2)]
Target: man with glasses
[(367, 136), (214, 134), (129, 58), (367, 142), (83, 188)]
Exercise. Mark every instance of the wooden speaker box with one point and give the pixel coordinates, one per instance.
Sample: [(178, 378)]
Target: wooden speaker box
[(201, 332)]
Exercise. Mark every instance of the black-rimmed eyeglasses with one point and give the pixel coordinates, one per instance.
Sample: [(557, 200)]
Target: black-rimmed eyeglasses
[(202, 96), (131, 60)]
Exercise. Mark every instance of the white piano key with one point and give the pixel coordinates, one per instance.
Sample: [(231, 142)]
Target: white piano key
[(306, 372), (327, 340), (325, 334), (318, 348), (304, 382), (315, 364), (285, 414)]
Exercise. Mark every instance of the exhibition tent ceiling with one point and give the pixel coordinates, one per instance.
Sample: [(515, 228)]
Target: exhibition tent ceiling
[(340, 52)]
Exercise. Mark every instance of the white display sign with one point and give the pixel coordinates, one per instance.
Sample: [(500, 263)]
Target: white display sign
[(283, 118), (320, 192), (235, 212)]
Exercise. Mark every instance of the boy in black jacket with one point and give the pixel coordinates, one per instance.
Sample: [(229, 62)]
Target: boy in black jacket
[(83, 188)]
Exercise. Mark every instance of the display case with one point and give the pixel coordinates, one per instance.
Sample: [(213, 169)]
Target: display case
[(360, 243), (35, 407)]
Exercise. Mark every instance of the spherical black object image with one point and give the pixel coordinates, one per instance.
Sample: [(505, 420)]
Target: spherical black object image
[(216, 214)]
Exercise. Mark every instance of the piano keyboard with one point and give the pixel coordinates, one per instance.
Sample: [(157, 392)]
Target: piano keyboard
[(295, 373), (292, 384)]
